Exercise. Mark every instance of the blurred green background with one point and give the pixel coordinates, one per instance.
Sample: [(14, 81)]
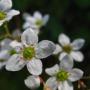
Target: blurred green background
[(71, 17)]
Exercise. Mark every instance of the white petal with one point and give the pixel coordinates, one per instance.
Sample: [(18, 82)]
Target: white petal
[(17, 46), (37, 15), (45, 48), (67, 63), (2, 21), (58, 49), (33, 25), (52, 83), (5, 4), (4, 55), (53, 70), (63, 39), (77, 56), (2, 64), (30, 20), (45, 19), (15, 63), (35, 66), (29, 37), (32, 82), (15, 43), (26, 16), (26, 25), (78, 44), (11, 14), (75, 74), (65, 86), (5, 44), (62, 55), (37, 31)]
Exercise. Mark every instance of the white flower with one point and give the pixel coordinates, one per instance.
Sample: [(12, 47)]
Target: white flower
[(62, 76), (6, 50), (36, 21), (32, 82), (6, 13), (30, 53), (71, 49)]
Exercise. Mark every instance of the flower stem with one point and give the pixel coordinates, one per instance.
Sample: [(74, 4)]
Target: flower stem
[(42, 81), (7, 30)]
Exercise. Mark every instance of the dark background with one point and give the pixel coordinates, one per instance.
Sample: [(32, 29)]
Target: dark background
[(71, 17)]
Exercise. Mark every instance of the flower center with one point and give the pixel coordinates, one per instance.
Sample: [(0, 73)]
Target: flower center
[(2, 15), (28, 53), (62, 75), (67, 49), (39, 23)]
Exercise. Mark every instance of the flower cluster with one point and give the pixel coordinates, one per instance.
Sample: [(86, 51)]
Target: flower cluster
[(21, 49)]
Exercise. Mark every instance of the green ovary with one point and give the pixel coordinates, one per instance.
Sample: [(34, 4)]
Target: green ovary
[(2, 15), (39, 23), (67, 49), (62, 75), (28, 53)]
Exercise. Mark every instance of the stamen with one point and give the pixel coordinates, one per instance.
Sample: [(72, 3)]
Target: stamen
[(28, 53)]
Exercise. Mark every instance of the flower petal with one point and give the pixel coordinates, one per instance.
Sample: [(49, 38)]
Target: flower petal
[(26, 16), (65, 86), (32, 82), (4, 55), (63, 39), (62, 55), (26, 25), (2, 64), (45, 48), (67, 63), (58, 49), (75, 74), (5, 44), (78, 56), (53, 70), (15, 43), (12, 13), (17, 46), (78, 44), (45, 19), (29, 37), (2, 21), (35, 66), (52, 83), (5, 4), (15, 63), (30, 21), (37, 15)]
